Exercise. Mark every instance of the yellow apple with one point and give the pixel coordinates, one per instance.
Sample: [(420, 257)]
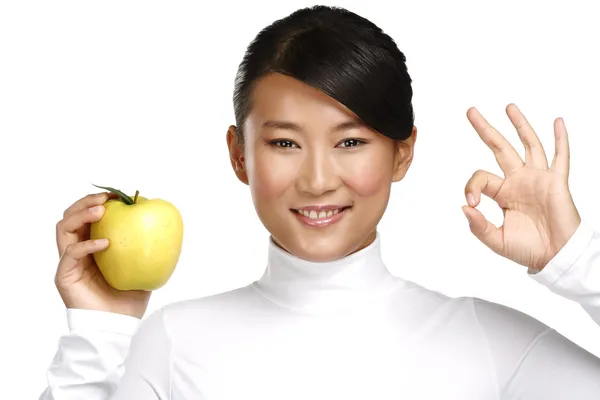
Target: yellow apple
[(145, 240)]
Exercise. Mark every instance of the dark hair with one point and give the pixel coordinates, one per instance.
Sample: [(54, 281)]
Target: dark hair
[(340, 53)]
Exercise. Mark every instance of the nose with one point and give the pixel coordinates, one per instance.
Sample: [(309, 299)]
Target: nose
[(317, 174)]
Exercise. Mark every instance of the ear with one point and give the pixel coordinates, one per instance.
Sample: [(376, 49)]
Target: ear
[(236, 154), (404, 155)]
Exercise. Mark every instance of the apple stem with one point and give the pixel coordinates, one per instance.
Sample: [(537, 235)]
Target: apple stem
[(124, 198), (136, 196)]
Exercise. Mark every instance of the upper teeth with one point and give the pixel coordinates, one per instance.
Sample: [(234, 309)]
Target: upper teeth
[(318, 215)]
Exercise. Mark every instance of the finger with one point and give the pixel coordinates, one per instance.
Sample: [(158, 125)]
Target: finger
[(562, 156), (534, 150), (507, 157), (76, 251), (482, 182), (89, 201), (484, 230), (66, 229)]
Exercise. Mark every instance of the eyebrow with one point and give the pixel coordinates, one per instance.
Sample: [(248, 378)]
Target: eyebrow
[(276, 124)]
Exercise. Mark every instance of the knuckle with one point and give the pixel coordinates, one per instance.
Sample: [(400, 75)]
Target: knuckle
[(497, 147), (472, 178), (478, 177), (59, 225), (479, 173), (476, 180), (70, 249)]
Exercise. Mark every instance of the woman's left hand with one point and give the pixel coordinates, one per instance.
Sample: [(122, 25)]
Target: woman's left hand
[(539, 213)]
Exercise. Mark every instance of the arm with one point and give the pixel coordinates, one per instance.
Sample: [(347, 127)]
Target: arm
[(105, 356), (555, 368), (574, 272), (534, 361), (542, 230)]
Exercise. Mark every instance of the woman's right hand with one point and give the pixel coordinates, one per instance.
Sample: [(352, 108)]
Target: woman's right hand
[(78, 279)]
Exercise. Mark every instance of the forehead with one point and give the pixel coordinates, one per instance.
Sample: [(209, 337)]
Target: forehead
[(281, 97)]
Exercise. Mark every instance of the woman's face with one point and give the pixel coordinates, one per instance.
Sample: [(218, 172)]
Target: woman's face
[(320, 181)]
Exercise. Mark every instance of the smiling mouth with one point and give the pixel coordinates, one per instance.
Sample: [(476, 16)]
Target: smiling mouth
[(317, 215)]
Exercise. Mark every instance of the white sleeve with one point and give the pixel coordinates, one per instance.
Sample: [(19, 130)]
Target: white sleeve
[(109, 356), (574, 272), (555, 368), (534, 361)]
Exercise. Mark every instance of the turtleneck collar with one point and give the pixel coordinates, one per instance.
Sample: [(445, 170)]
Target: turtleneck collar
[(346, 284)]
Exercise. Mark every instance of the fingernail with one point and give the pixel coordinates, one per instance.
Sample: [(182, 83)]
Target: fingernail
[(101, 242), (470, 199), (96, 209)]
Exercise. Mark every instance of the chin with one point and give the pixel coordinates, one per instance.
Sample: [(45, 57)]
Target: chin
[(318, 249), (319, 244), (321, 254)]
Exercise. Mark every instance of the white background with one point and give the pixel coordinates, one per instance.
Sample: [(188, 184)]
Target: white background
[(138, 95)]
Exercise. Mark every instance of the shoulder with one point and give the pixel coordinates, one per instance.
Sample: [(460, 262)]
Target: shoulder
[(429, 314), (499, 325), (214, 304), (494, 319), (509, 335), (219, 311), (501, 321), (205, 323), (427, 302)]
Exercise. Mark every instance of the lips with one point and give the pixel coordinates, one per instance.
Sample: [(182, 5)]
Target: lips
[(320, 216), (320, 212)]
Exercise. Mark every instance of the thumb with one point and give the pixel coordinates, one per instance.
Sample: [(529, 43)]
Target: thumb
[(484, 230)]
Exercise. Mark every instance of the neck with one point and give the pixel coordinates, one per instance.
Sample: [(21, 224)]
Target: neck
[(326, 287)]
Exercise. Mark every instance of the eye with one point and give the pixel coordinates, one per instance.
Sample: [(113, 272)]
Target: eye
[(351, 143), (283, 143)]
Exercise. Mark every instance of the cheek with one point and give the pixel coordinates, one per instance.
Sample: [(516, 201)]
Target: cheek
[(269, 177), (370, 175)]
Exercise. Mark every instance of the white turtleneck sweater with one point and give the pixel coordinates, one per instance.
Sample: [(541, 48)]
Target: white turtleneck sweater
[(339, 330)]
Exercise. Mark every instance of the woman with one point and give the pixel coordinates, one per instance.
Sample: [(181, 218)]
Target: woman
[(324, 126)]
